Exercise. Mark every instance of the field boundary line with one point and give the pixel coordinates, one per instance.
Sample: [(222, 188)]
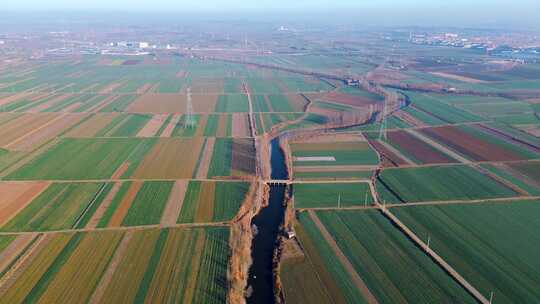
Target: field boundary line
[(360, 284)]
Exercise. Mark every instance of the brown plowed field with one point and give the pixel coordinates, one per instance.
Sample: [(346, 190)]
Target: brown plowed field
[(20, 126), (471, 146), (171, 158), (42, 134), (48, 104), (172, 103), (92, 126), (417, 148), (15, 196), (240, 125)]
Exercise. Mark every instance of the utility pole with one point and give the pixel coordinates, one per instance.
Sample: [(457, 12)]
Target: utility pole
[(339, 201)]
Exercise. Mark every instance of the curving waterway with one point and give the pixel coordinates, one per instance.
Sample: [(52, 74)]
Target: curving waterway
[(267, 222)]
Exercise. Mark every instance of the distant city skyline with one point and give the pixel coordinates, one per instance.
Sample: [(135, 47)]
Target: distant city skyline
[(381, 12)]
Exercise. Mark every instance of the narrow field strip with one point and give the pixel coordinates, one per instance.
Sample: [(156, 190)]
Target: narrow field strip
[(343, 259), (174, 203)]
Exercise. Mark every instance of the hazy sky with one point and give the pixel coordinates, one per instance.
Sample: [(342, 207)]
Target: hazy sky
[(460, 12)]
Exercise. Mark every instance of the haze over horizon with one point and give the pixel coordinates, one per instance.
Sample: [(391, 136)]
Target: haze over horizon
[(460, 13)]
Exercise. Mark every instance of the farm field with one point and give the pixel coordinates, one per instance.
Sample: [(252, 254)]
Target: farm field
[(479, 144), (232, 157), (491, 244), (446, 183), (73, 159), (416, 149), (97, 263), (364, 238), (212, 201), (344, 153), (314, 195), (109, 195)]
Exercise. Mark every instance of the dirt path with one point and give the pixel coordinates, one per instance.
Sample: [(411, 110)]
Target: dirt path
[(174, 204), (8, 255), (206, 157), (104, 206), (440, 147), (357, 280), (108, 275)]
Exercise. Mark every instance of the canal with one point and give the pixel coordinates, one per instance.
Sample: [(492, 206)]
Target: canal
[(268, 221)]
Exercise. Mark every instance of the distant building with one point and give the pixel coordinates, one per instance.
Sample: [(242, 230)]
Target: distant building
[(143, 45)]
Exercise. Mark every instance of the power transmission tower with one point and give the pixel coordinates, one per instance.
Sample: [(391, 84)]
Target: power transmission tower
[(190, 117)]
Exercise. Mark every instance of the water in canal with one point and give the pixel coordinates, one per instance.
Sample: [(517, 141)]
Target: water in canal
[(267, 222)]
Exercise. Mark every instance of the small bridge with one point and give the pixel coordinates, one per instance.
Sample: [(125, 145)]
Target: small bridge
[(278, 182)]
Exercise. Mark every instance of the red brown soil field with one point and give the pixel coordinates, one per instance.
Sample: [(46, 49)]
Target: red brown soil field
[(348, 99), (172, 103), (471, 146), (417, 148), (393, 159), (16, 196), (240, 125)]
